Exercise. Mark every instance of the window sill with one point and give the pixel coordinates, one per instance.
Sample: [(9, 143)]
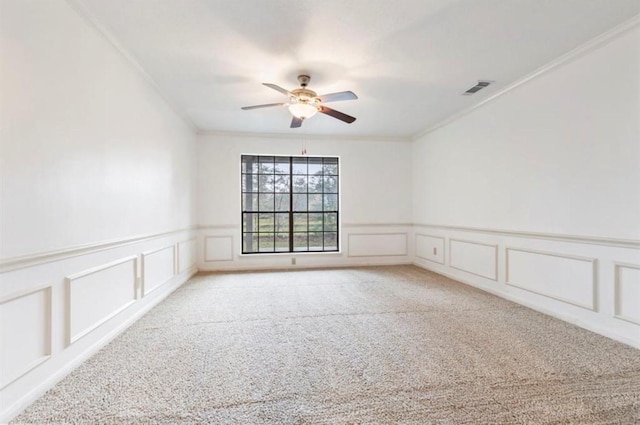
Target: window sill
[(291, 254)]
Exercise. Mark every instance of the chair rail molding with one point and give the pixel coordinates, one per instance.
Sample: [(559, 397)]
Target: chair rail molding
[(29, 260), (591, 240)]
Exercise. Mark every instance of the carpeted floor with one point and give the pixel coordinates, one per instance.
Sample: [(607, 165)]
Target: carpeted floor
[(380, 345)]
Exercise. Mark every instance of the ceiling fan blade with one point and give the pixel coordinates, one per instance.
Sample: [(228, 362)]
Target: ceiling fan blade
[(280, 89), (296, 122), (266, 105), (333, 97), (336, 114)]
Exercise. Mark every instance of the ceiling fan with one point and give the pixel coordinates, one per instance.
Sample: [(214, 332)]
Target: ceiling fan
[(304, 103)]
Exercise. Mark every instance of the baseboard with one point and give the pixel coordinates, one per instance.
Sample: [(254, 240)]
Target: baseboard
[(523, 302), (235, 267), (16, 408)]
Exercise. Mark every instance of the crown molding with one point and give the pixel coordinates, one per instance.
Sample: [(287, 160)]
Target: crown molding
[(574, 54), (93, 22)]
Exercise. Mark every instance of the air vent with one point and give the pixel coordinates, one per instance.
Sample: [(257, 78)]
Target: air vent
[(473, 90)]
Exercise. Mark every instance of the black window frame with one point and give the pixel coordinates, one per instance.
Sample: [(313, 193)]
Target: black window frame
[(285, 210)]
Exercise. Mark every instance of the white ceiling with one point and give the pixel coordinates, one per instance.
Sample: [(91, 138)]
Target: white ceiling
[(407, 60)]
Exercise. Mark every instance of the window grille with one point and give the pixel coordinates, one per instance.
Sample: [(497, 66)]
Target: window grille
[(289, 204)]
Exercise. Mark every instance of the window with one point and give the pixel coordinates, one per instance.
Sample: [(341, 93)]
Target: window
[(289, 204)]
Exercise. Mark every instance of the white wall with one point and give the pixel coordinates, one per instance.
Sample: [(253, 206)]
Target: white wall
[(89, 152), (559, 154), (97, 195), (375, 199)]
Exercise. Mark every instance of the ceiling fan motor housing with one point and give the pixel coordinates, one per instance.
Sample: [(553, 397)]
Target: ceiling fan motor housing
[(304, 95)]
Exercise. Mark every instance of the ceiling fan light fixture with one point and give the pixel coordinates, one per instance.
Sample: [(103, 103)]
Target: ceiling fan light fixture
[(303, 110), (305, 103)]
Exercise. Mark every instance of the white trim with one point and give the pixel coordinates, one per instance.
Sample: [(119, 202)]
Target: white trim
[(233, 267), (616, 291), (593, 261), (286, 155), (74, 338), (236, 226), (176, 252), (24, 293), (145, 254), (25, 369), (593, 240), (495, 265), (20, 262), (376, 224), (195, 259), (69, 281), (90, 19), (406, 244), (101, 267), (153, 251), (252, 255), (567, 57), (10, 378), (527, 303)]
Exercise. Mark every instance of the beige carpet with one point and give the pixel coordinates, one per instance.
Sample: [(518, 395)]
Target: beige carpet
[(381, 345)]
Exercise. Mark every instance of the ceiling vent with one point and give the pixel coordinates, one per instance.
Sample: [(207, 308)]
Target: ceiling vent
[(473, 90)]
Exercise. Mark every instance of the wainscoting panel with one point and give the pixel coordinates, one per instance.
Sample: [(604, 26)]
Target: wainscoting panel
[(92, 294), (474, 257), (430, 247), (187, 255), (377, 244), (566, 278), (96, 295), (591, 282), (31, 340), (627, 292), (361, 244), (218, 248), (158, 267)]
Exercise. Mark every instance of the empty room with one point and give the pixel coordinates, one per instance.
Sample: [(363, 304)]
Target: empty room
[(320, 212)]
